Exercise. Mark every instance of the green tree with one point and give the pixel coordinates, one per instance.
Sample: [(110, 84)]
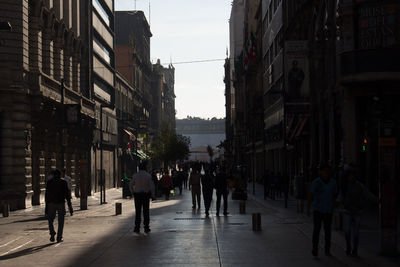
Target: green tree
[(170, 147)]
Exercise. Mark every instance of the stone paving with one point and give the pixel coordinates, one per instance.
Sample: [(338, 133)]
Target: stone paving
[(179, 237)]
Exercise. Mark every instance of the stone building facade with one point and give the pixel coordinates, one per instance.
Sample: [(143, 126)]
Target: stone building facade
[(133, 57), (46, 105), (162, 90)]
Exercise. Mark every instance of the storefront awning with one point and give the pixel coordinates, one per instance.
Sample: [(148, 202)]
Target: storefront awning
[(141, 154)]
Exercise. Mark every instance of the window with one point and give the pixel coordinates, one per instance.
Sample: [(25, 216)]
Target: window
[(101, 50), (103, 13)]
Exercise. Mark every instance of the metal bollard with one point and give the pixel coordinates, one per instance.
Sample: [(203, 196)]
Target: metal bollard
[(256, 222), (118, 208), (6, 210), (242, 207)]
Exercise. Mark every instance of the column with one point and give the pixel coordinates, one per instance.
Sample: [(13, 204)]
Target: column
[(76, 72), (67, 67), (35, 46), (58, 58), (47, 52)]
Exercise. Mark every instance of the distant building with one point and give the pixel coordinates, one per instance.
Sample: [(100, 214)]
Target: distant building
[(201, 133), (162, 91)]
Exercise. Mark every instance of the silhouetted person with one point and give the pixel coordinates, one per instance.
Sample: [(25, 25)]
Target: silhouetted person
[(207, 184), (56, 194), (179, 181), (142, 188), (68, 179), (221, 186), (353, 198), (166, 182), (323, 194), (194, 185), (155, 182)]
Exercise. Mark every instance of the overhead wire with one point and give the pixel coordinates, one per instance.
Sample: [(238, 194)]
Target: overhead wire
[(180, 62)]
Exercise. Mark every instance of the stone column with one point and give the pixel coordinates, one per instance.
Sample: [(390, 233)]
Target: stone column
[(47, 52), (35, 45), (67, 67), (76, 79), (58, 58)]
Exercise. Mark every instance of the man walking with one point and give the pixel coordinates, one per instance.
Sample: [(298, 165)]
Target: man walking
[(207, 184), (221, 186), (323, 194), (67, 179), (194, 185), (56, 194), (142, 188), (354, 196)]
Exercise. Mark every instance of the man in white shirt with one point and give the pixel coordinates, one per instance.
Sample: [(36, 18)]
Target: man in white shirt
[(68, 179), (142, 188)]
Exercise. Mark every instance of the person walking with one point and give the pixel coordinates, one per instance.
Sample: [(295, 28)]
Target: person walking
[(353, 197), (68, 179), (179, 180), (142, 188), (207, 184), (166, 182), (221, 187), (56, 194), (155, 182), (185, 177), (194, 185), (323, 193)]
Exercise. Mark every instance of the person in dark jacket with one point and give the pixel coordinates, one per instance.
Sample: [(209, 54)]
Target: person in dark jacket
[(56, 194), (353, 196), (221, 187), (207, 184)]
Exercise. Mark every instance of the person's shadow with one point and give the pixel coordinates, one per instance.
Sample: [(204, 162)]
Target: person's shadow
[(24, 252)]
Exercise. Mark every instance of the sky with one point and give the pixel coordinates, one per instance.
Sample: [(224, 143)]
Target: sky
[(190, 30)]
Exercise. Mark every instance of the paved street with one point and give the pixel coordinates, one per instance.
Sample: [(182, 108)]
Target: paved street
[(179, 237)]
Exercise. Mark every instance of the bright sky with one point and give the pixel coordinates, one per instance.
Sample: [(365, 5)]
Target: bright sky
[(189, 30)]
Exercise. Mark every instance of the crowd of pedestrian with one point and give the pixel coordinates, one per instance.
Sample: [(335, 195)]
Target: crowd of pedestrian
[(327, 192)]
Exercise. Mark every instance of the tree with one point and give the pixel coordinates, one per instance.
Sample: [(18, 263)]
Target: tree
[(170, 147), (210, 152)]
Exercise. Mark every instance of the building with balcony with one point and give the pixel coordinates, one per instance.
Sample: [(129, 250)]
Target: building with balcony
[(162, 90), (133, 63)]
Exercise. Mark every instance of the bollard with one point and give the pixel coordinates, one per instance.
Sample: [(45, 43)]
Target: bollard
[(256, 222), (6, 210), (118, 208), (83, 203), (242, 207)]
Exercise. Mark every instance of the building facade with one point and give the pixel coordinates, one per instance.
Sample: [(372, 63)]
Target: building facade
[(102, 67), (163, 110), (46, 104)]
